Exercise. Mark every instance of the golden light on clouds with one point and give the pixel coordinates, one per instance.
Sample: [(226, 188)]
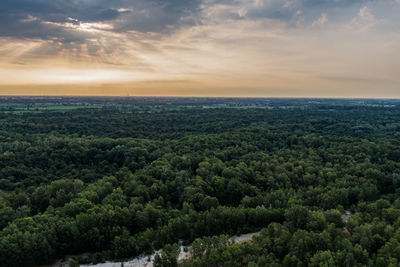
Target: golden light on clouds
[(79, 26), (215, 49)]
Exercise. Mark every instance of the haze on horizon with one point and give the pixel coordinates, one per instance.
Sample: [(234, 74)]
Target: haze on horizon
[(318, 48)]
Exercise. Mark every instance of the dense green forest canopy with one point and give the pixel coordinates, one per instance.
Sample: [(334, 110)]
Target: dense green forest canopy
[(112, 178)]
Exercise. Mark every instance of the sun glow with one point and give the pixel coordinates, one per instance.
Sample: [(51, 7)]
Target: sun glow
[(82, 26), (246, 47)]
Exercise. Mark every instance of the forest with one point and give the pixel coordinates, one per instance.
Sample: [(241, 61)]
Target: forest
[(113, 178)]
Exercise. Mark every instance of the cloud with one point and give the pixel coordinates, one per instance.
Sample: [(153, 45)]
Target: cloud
[(77, 21), (332, 3), (366, 14), (105, 31), (365, 20), (235, 43), (49, 20), (321, 21), (31, 18)]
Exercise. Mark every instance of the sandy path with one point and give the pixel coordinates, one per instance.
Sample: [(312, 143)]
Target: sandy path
[(142, 261)]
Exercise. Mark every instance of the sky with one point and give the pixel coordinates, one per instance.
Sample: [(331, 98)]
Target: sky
[(244, 48)]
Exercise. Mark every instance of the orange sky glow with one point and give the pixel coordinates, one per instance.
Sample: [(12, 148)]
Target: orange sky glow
[(202, 48)]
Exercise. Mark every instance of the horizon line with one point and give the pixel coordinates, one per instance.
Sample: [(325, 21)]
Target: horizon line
[(194, 96)]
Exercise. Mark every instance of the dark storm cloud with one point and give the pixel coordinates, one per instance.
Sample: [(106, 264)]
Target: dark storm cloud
[(56, 10), (39, 18), (155, 16), (44, 19), (27, 18)]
